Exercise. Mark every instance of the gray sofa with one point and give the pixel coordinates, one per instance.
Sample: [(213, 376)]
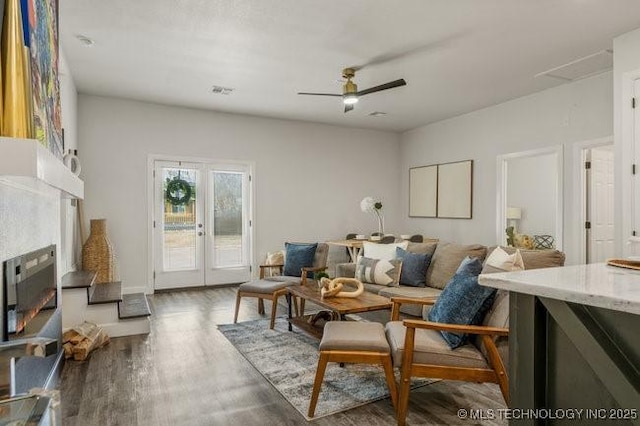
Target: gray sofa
[(446, 258)]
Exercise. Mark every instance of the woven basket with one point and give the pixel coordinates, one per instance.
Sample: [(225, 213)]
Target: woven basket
[(97, 252)]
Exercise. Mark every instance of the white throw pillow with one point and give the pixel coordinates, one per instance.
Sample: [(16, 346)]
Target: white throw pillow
[(382, 251), (501, 261)]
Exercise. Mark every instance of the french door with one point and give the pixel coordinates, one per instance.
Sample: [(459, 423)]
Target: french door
[(202, 224)]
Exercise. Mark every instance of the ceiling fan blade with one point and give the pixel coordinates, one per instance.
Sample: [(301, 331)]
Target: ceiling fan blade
[(414, 49), (348, 108), (390, 85), (319, 94)]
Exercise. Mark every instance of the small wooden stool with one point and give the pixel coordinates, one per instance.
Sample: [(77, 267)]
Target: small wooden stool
[(353, 342)]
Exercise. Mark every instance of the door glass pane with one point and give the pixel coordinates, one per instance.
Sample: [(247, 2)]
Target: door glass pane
[(227, 219), (179, 224)]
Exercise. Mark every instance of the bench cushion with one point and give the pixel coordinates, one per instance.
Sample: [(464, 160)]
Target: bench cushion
[(354, 336)]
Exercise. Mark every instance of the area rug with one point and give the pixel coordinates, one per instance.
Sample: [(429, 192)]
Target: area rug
[(288, 360)]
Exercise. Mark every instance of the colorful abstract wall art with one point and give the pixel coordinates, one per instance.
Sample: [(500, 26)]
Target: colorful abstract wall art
[(43, 43)]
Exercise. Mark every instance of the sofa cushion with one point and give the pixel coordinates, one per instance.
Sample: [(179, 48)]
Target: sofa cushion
[(382, 251), (413, 292), (346, 270), (446, 260), (378, 271), (422, 248), (430, 348), (414, 267), (537, 259), (464, 302), (298, 256)]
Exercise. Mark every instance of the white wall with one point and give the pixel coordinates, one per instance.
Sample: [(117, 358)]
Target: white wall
[(70, 239), (626, 68), (309, 178), (569, 113)]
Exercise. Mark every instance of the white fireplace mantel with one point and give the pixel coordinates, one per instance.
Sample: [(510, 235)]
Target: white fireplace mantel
[(26, 163)]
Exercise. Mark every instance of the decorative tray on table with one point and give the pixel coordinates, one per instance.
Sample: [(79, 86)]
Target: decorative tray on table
[(625, 263)]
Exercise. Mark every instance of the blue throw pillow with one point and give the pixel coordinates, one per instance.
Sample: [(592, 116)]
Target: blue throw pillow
[(414, 267), (298, 256), (463, 301), (469, 266)]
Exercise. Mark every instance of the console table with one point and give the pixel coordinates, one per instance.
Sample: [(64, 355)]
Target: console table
[(574, 341)]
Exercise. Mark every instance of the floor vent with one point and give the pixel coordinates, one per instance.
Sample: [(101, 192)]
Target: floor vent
[(587, 66)]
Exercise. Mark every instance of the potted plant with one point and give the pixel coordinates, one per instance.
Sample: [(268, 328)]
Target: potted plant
[(319, 275)]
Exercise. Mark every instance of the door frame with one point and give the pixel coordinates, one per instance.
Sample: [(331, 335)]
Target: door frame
[(580, 190), (151, 159)]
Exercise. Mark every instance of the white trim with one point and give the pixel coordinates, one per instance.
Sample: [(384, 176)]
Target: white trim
[(501, 199), (151, 159), (627, 156), (579, 153)]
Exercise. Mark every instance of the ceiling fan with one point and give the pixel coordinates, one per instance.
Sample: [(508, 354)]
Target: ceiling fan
[(350, 93)]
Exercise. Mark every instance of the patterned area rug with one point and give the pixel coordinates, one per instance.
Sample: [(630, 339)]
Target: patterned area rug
[(288, 360)]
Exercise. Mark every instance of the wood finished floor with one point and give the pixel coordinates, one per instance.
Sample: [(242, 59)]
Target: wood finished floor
[(186, 373)]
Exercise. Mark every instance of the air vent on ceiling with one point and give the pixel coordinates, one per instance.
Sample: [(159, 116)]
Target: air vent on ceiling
[(377, 113), (587, 66), (219, 90)]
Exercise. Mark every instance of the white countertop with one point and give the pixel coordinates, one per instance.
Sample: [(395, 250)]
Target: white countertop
[(597, 285)]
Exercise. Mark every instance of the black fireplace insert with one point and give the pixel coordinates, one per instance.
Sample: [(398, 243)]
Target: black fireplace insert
[(29, 293)]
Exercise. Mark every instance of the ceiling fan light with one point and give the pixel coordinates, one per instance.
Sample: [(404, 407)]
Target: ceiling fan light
[(350, 99)]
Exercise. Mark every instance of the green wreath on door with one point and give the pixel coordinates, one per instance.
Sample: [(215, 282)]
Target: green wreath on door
[(178, 192)]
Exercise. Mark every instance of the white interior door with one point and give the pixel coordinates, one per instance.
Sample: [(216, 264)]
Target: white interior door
[(601, 205), (202, 224)]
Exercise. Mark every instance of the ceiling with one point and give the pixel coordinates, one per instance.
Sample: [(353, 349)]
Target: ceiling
[(456, 56)]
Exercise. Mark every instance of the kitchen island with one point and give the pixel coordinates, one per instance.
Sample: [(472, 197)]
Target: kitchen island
[(574, 344)]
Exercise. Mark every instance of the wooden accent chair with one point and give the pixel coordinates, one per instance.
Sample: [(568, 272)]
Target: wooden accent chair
[(419, 350), (271, 288)]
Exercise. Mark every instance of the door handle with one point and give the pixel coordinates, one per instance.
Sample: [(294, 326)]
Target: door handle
[(200, 234)]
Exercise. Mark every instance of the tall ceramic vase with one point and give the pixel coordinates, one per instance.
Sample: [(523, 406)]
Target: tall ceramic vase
[(97, 252)]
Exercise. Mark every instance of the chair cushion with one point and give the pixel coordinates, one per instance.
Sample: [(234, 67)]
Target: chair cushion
[(446, 260), (264, 286), (354, 336), (431, 348), (298, 256), (378, 271), (283, 278), (414, 267), (381, 251), (416, 292), (463, 301)]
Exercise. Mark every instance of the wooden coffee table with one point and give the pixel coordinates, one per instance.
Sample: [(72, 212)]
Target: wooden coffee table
[(337, 307)]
